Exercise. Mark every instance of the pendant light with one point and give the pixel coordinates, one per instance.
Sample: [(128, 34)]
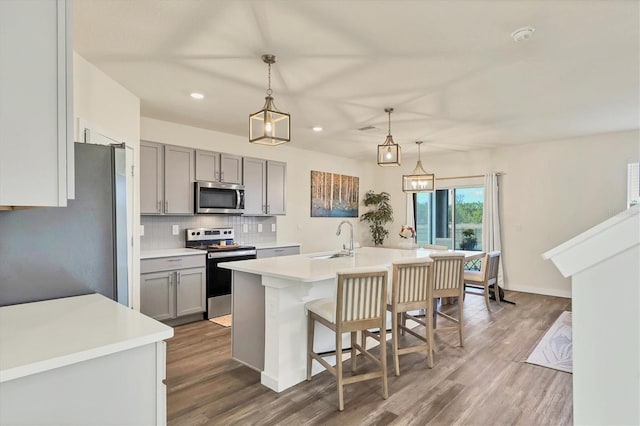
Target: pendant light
[(269, 126), (418, 180), (389, 152)]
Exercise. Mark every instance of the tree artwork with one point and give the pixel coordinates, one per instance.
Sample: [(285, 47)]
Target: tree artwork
[(334, 195)]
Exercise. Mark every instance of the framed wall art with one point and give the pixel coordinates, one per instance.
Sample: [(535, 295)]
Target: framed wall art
[(334, 195)]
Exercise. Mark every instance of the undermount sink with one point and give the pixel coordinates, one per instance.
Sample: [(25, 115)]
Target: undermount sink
[(330, 255)]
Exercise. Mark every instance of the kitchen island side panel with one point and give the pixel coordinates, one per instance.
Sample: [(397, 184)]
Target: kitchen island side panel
[(247, 332), (123, 388)]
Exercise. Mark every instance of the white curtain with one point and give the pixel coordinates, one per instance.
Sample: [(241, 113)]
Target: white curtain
[(409, 219), (491, 220)]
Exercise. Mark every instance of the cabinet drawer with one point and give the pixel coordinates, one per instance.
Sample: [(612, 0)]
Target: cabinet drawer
[(173, 262), (278, 251)]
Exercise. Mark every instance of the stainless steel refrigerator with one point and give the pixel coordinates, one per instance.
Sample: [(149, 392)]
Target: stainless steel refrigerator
[(48, 253)]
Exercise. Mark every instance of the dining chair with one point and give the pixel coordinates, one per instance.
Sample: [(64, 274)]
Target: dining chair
[(487, 276), (435, 247), (448, 281), (359, 305), (410, 290)]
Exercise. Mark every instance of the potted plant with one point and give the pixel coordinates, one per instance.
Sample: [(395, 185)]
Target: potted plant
[(379, 214), (469, 239)]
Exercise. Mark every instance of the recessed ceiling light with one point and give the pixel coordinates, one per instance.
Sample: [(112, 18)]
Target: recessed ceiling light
[(522, 34), (316, 128), (196, 95)]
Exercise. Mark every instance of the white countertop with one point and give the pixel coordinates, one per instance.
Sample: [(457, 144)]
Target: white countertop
[(305, 268), (41, 336), (272, 245), (154, 254)]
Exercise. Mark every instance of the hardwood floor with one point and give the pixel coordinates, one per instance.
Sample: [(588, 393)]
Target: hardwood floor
[(485, 383)]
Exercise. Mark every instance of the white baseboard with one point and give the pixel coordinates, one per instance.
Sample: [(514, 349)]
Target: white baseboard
[(540, 290)]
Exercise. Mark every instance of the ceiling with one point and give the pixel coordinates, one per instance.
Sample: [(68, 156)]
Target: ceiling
[(451, 70)]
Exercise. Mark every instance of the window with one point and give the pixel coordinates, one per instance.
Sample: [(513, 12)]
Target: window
[(450, 217)]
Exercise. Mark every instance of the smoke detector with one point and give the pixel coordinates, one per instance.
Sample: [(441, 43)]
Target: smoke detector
[(522, 34)]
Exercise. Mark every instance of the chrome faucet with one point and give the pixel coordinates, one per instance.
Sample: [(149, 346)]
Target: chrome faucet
[(350, 235)]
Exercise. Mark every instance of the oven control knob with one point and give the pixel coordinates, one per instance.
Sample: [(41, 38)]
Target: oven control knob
[(198, 233)]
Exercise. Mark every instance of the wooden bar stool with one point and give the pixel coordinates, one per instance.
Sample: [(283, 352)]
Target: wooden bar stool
[(411, 290), (359, 305), (448, 281)]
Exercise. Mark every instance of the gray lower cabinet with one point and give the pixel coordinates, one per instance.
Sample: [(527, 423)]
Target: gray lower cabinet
[(265, 187), (166, 179), (173, 287), (157, 295)]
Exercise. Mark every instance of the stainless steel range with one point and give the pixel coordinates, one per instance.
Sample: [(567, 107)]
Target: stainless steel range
[(221, 247)]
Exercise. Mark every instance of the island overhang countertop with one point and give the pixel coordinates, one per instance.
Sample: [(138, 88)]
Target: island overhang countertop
[(312, 267)]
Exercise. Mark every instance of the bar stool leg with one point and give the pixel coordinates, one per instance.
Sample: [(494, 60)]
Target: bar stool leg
[(310, 330)]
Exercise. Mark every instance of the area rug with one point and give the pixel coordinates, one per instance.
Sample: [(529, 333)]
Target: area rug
[(224, 320), (555, 350)]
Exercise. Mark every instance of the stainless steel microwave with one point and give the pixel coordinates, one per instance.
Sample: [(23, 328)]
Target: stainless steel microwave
[(220, 198)]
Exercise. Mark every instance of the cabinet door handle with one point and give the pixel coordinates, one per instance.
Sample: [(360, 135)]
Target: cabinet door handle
[(159, 205), (178, 277), (166, 206), (221, 175), (268, 208)]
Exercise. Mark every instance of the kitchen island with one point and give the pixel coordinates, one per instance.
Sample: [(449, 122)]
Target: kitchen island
[(81, 360), (269, 323)]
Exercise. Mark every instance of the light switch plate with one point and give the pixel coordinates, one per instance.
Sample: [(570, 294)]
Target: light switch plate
[(245, 228), (273, 227), (142, 230), (175, 229), (259, 227)]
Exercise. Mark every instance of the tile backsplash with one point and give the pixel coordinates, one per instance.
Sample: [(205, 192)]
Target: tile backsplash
[(158, 235)]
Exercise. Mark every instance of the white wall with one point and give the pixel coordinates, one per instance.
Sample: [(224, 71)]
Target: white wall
[(114, 110), (315, 234), (551, 191)]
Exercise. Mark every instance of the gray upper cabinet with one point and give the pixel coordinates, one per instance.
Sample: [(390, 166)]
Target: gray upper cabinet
[(276, 188), (151, 178), (265, 187), (207, 165), (216, 167), (36, 103), (166, 179), (230, 168), (255, 186), (178, 180)]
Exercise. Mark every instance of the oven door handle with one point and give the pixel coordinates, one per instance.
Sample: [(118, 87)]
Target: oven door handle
[(236, 253)]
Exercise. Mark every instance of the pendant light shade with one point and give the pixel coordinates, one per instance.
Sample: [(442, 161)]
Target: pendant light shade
[(269, 126), (419, 180), (389, 153)]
